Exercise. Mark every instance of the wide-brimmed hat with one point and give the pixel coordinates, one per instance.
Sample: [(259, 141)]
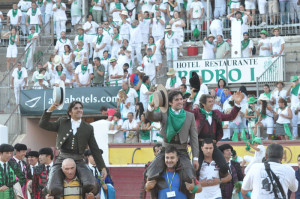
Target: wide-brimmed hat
[(252, 100), (263, 97), (195, 81), (264, 32), (39, 76), (112, 59), (160, 98), (80, 27), (257, 140), (124, 12), (168, 27), (211, 35), (171, 71), (57, 60), (294, 78), (59, 95), (276, 28), (140, 69)]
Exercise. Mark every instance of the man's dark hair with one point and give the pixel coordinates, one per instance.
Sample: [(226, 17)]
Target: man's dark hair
[(41, 70), (89, 16), (173, 94), (204, 98), (224, 147), (125, 71), (130, 113), (123, 48), (171, 149), (72, 105), (274, 151), (103, 108), (184, 86), (126, 64), (233, 153), (117, 114), (145, 78), (183, 77), (97, 58), (157, 145), (207, 141), (226, 87)]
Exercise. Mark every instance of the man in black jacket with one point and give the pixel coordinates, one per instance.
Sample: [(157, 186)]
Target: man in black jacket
[(235, 171)]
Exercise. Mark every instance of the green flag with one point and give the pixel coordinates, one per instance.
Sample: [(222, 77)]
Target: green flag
[(288, 131), (244, 136), (235, 136)]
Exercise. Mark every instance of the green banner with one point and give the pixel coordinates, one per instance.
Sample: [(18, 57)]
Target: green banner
[(34, 102)]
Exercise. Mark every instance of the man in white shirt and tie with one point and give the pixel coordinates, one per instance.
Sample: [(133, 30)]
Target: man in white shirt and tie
[(33, 161), (20, 152)]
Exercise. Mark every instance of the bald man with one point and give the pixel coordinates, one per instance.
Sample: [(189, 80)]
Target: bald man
[(72, 188)]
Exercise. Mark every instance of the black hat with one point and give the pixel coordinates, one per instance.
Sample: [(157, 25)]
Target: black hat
[(187, 95), (88, 152), (225, 146), (46, 151), (194, 81), (32, 153), (20, 147), (6, 148)]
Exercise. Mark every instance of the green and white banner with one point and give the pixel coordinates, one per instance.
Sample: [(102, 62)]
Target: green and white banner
[(235, 70), (34, 102)]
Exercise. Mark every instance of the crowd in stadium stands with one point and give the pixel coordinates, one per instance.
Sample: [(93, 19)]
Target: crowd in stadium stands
[(105, 47)]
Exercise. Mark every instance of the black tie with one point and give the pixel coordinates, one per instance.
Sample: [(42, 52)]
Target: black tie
[(48, 169), (20, 165), (96, 172), (4, 169)]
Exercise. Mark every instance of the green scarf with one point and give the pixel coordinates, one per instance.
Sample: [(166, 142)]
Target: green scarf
[(59, 73), (205, 113), (175, 123), (30, 36), (96, 1), (169, 36), (263, 115), (245, 44), (33, 11), (148, 86), (11, 42), (171, 8), (99, 39), (218, 45), (117, 37), (241, 19), (173, 81), (268, 95), (126, 91), (78, 50), (118, 5), (81, 37), (15, 12), (133, 26), (62, 41), (295, 90), (209, 42), (40, 3), (19, 74), (58, 5), (83, 69), (149, 58), (157, 20)]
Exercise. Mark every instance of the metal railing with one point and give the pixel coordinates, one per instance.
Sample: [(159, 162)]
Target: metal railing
[(273, 73), (14, 124)]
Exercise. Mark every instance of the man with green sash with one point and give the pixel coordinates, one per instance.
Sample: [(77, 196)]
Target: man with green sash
[(30, 48), (8, 172), (247, 45), (294, 92), (178, 130), (173, 82), (34, 17), (222, 48)]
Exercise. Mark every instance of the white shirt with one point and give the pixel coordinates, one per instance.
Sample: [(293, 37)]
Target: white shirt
[(60, 45), (88, 25), (197, 7), (75, 125), (31, 168), (149, 65), (245, 52), (265, 43), (34, 19), (98, 5), (85, 42), (258, 181), (158, 29), (171, 41), (48, 7), (23, 76), (116, 15), (209, 171), (19, 162), (135, 36), (226, 132), (125, 27), (36, 85), (276, 44), (14, 20), (117, 70), (84, 78), (204, 89), (144, 98), (24, 5), (176, 85), (51, 165), (208, 50), (79, 54), (294, 99), (60, 14), (129, 125), (276, 94)]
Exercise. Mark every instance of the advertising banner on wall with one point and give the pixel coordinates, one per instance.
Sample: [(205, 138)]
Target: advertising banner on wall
[(235, 70), (34, 102)]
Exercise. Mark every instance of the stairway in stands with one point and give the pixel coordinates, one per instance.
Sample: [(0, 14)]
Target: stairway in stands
[(128, 181)]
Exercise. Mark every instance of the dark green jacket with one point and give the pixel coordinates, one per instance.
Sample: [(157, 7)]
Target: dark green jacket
[(85, 134)]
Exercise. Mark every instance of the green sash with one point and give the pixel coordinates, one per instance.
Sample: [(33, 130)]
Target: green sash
[(11, 42), (99, 39), (83, 69), (14, 12), (175, 123), (33, 11), (295, 90), (209, 42), (218, 45), (173, 81), (117, 37), (126, 91), (19, 74), (59, 73), (206, 113), (81, 37), (268, 95), (245, 44)]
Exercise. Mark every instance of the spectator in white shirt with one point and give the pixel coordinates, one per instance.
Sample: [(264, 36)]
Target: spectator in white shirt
[(177, 27), (60, 44), (116, 124), (67, 57), (171, 44), (115, 42), (264, 44), (48, 13), (124, 26), (24, 7), (34, 14), (84, 38), (196, 13), (60, 17), (173, 82), (14, 16), (145, 91), (208, 47), (18, 80), (83, 73), (158, 26), (41, 83), (12, 50), (64, 79), (127, 104), (90, 30), (145, 23), (98, 6), (115, 72), (278, 93), (115, 9), (136, 42), (130, 126), (277, 44), (247, 46), (76, 11), (99, 43), (150, 65)]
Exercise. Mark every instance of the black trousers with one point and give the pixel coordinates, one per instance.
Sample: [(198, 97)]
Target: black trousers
[(217, 156), (55, 184)]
